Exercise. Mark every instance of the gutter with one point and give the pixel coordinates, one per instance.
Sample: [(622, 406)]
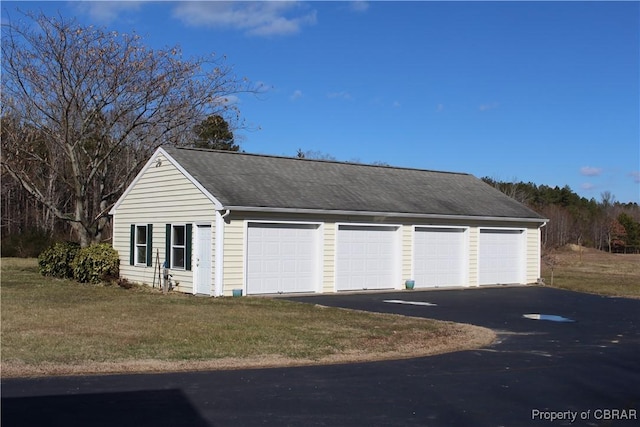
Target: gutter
[(542, 221)]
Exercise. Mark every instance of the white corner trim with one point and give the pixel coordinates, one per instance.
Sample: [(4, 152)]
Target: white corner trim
[(218, 259)]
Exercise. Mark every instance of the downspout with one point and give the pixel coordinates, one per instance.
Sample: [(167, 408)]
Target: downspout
[(540, 280), (219, 253)]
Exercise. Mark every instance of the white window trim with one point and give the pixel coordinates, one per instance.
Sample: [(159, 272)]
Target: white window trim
[(184, 247), (136, 245)]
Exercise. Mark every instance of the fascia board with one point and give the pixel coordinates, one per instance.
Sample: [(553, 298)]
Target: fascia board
[(540, 221)]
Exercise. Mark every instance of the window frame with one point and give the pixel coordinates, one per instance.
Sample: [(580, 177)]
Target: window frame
[(141, 251), (175, 247)]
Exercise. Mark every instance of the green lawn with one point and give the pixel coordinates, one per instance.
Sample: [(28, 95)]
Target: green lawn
[(60, 326)]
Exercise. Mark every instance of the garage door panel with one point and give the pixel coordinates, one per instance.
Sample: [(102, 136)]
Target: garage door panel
[(281, 258), (270, 266), (366, 257), (439, 257), (501, 257), (289, 267)]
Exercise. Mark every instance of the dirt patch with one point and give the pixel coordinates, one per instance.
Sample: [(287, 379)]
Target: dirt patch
[(455, 337)]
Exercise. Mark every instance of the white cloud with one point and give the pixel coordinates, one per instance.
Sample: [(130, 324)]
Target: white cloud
[(487, 107), (588, 186), (636, 176), (254, 18), (396, 104), (359, 6), (590, 171), (340, 95), (296, 95), (106, 12)]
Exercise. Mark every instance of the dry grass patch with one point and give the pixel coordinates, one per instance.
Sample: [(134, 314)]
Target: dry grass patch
[(52, 326), (589, 270)]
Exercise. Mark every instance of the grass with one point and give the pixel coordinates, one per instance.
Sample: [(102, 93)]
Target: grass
[(592, 271), (53, 326)]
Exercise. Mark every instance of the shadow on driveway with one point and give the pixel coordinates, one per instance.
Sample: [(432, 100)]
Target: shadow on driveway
[(168, 408)]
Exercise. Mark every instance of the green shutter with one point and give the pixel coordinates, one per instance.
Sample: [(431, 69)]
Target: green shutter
[(187, 249), (132, 245), (167, 252), (149, 245)]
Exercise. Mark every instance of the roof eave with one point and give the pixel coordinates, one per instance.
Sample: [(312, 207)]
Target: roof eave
[(540, 221)]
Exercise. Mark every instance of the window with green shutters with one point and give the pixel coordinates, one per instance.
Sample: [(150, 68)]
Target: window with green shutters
[(141, 244), (178, 248)]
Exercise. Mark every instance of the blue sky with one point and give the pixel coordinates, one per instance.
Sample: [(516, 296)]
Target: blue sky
[(546, 92)]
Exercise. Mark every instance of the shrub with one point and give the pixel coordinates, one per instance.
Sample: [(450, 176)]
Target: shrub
[(56, 260), (26, 244), (96, 263)]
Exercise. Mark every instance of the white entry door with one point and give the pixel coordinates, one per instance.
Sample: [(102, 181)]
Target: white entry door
[(502, 257), (439, 257), (282, 258), (367, 257), (202, 273)]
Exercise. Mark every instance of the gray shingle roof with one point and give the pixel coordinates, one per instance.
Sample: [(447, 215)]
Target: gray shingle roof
[(257, 181)]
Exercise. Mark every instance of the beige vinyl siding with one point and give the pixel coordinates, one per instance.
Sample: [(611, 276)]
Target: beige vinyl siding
[(162, 195), (406, 252), (329, 257), (235, 239), (533, 255), (474, 242), (233, 264)]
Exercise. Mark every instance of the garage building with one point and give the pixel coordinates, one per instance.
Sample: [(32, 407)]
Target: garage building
[(225, 221)]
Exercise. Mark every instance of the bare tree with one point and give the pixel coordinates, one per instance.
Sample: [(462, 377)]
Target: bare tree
[(609, 211), (86, 107), (551, 260)]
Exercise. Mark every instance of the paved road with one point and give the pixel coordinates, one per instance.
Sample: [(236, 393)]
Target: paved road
[(588, 369)]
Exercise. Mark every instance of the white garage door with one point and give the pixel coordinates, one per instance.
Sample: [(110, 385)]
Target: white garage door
[(502, 256), (367, 257), (439, 257), (281, 258)]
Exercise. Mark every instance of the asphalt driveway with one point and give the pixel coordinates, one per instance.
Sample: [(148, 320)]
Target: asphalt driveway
[(584, 370)]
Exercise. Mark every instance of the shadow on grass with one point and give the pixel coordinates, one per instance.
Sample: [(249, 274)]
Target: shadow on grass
[(139, 408)]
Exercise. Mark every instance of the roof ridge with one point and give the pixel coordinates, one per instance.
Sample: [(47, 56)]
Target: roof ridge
[(275, 156)]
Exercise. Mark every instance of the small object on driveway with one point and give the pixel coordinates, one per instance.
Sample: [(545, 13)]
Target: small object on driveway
[(399, 301), (551, 317)]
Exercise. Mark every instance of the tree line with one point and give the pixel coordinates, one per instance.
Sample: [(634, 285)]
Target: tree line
[(604, 224), (83, 108)]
